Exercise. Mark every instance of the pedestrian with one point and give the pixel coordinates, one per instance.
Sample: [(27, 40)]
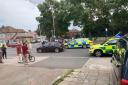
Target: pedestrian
[(25, 53), (43, 43), (19, 52), (29, 46), (4, 53)]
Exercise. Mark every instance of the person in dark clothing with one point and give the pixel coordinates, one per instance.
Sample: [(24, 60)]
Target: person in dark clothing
[(43, 43), (4, 53)]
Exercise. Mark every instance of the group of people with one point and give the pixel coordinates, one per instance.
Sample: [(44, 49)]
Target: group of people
[(22, 49), (22, 52)]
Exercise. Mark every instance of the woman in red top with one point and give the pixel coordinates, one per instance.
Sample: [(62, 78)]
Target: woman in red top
[(25, 53), (19, 52)]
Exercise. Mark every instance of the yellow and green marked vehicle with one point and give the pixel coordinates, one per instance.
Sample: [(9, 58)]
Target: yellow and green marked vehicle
[(79, 43), (106, 47)]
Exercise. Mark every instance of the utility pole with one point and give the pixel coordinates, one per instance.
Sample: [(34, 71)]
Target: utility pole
[(39, 29), (53, 20)]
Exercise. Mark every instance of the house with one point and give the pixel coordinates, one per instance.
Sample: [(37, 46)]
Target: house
[(9, 34), (73, 33)]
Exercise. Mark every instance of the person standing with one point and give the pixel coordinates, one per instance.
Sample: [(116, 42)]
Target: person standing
[(4, 53), (29, 46), (19, 52), (25, 53)]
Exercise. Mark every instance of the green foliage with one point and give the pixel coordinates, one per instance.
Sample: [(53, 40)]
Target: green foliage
[(93, 15)]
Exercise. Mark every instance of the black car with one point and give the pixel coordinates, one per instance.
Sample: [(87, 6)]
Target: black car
[(50, 47), (120, 62)]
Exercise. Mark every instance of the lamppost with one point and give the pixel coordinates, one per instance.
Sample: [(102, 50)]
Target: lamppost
[(39, 26), (106, 30), (39, 29), (53, 21)]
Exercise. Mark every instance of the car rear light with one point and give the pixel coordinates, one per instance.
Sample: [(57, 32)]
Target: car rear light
[(124, 82)]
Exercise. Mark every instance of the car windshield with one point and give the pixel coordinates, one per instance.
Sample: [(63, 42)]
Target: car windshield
[(114, 41), (46, 44), (79, 40), (104, 42), (72, 41)]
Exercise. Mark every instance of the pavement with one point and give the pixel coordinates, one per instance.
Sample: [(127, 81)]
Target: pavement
[(49, 66), (97, 71), (13, 73), (13, 61)]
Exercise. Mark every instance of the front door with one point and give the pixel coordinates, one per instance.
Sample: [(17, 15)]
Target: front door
[(110, 46)]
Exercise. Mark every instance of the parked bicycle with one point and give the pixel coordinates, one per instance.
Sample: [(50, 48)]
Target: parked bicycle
[(31, 58)]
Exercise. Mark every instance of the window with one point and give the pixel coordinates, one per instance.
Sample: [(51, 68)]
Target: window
[(121, 53), (46, 44), (122, 44), (112, 42), (52, 44)]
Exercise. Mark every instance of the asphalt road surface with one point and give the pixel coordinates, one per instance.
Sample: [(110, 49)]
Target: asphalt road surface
[(69, 59)]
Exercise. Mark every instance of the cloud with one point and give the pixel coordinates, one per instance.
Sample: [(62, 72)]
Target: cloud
[(18, 13)]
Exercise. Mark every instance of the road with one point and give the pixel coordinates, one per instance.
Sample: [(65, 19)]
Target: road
[(43, 72), (69, 59)]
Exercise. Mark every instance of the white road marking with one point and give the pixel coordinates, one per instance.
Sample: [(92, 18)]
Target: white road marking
[(14, 61)]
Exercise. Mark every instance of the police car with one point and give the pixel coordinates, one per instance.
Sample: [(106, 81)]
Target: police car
[(79, 43), (106, 47)]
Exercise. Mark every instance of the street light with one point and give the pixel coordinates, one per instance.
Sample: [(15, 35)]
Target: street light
[(39, 29), (106, 30), (53, 21)]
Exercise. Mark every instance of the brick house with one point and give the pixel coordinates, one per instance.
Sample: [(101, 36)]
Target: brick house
[(73, 33)]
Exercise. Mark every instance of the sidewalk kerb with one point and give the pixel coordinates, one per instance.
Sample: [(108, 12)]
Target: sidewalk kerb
[(59, 79)]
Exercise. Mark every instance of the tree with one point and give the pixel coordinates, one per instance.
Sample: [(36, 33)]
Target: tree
[(61, 21), (92, 15)]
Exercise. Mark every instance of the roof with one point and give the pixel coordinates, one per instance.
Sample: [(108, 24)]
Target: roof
[(74, 30), (9, 29), (25, 35)]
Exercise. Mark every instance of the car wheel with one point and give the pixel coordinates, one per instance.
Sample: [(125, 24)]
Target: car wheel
[(56, 50), (98, 53), (39, 51)]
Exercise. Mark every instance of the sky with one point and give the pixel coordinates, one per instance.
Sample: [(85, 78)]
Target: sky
[(19, 13)]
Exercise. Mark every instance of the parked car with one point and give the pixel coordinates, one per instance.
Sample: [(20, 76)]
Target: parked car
[(12, 44), (120, 62), (50, 47), (106, 47), (78, 43)]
